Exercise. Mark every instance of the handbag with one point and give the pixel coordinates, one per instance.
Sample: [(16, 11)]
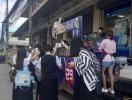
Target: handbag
[(23, 78)]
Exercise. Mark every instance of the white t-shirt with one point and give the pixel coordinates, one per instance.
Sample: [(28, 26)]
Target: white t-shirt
[(26, 63), (14, 59)]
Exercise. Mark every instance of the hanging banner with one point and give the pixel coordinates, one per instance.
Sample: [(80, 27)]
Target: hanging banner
[(74, 25), (57, 28), (68, 73)]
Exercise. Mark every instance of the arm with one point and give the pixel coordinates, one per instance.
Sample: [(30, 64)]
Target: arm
[(65, 46), (58, 62), (14, 59), (38, 66), (102, 46), (55, 50), (84, 62)]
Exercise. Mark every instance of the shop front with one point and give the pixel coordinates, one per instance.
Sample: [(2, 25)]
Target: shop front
[(118, 19)]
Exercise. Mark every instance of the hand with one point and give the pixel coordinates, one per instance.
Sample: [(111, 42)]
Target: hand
[(71, 64), (33, 52), (62, 42), (56, 45), (98, 43)]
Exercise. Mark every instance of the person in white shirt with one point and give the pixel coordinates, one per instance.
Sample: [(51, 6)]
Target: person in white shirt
[(14, 59), (22, 62), (108, 48)]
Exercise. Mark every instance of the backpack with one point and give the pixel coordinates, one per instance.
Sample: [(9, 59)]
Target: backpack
[(23, 78)]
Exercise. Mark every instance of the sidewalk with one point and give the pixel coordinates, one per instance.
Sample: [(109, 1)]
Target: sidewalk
[(5, 85)]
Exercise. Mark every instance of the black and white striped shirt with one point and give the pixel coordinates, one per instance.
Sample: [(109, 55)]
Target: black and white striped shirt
[(87, 66)]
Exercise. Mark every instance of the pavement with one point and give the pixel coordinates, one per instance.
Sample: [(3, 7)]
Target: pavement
[(6, 85)]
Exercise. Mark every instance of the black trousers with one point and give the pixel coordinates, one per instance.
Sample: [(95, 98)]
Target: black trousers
[(38, 89), (49, 89), (22, 94), (81, 92)]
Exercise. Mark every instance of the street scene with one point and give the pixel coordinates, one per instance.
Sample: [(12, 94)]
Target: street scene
[(65, 49)]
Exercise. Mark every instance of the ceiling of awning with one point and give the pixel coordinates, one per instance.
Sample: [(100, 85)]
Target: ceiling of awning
[(49, 8), (106, 4), (44, 12), (23, 30)]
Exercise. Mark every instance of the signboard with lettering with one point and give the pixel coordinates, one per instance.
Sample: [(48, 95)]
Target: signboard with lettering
[(74, 25)]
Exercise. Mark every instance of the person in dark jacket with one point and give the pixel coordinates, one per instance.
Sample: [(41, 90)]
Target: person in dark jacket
[(49, 81), (101, 35)]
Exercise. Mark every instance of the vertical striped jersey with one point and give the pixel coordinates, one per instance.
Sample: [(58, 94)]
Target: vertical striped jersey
[(88, 66)]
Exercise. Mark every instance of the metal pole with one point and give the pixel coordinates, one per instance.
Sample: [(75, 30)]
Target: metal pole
[(30, 25), (130, 53), (7, 33)]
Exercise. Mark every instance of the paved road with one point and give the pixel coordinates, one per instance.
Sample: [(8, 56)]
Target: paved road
[(6, 85)]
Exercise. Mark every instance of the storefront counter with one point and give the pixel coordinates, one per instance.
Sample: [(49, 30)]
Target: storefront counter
[(123, 51)]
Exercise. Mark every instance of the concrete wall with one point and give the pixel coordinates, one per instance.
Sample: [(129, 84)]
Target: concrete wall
[(97, 19)]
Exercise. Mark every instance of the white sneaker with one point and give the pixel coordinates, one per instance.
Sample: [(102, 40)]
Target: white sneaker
[(104, 90), (111, 91)]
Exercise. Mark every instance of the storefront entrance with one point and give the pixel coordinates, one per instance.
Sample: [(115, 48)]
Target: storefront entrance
[(118, 20)]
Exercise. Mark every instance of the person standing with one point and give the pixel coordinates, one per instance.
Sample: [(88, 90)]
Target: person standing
[(86, 65), (101, 36), (22, 62), (108, 48), (49, 81)]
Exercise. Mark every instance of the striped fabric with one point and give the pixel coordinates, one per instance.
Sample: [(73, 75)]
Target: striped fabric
[(88, 66)]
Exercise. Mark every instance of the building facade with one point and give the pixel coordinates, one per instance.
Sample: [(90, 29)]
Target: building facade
[(95, 13)]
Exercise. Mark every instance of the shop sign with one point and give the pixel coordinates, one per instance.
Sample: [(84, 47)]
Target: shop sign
[(74, 25)]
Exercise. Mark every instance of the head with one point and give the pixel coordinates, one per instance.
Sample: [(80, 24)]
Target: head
[(85, 43), (75, 47), (29, 48), (109, 34), (42, 52), (100, 29), (37, 46), (49, 48), (21, 55)]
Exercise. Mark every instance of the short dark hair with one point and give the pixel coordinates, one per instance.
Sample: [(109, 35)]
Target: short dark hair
[(21, 55), (101, 28), (48, 48), (110, 34), (75, 47)]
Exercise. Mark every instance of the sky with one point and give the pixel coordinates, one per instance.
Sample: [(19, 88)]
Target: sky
[(15, 25)]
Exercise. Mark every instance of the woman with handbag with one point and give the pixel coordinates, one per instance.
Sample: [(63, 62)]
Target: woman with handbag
[(22, 63)]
